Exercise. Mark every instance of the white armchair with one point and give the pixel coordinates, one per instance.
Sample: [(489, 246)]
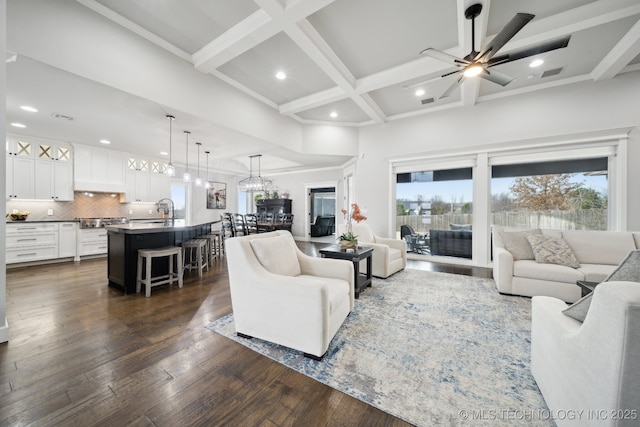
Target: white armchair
[(389, 255), (593, 366), (281, 295)]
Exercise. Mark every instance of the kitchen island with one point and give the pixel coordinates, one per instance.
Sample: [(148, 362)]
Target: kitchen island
[(124, 242)]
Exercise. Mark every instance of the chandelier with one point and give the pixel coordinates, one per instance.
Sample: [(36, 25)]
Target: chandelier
[(254, 183)]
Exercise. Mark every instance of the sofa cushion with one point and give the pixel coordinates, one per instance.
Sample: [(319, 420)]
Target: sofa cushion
[(517, 244), (460, 226), (599, 247), (337, 289), (548, 272), (550, 250), (595, 272), (277, 255)]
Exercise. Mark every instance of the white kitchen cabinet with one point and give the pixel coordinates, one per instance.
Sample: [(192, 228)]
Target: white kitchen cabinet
[(99, 169), (137, 187), (147, 181), (92, 241), (31, 242), (160, 186), (20, 169), (67, 243), (53, 180)]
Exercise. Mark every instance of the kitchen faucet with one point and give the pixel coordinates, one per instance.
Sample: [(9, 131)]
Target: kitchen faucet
[(165, 210)]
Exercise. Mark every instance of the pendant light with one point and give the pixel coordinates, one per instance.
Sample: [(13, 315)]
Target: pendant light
[(187, 175), (198, 179), (254, 183), (207, 183), (171, 170)]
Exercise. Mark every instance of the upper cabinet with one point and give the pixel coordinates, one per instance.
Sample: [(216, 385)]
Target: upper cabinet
[(53, 172), (146, 180), (20, 167), (99, 169), (38, 169)]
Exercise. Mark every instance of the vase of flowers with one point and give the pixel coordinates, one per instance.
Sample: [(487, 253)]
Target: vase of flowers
[(348, 240)]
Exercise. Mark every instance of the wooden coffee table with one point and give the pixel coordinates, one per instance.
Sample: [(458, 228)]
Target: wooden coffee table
[(361, 280)]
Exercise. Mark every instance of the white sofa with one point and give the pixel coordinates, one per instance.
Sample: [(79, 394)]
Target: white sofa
[(281, 295), (589, 373), (598, 253), (389, 255)]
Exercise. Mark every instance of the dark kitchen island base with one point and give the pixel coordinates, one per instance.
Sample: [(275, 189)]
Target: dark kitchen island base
[(124, 242)]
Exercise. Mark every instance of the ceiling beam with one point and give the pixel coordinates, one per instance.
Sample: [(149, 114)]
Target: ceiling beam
[(249, 33), (622, 53), (303, 34), (238, 39)]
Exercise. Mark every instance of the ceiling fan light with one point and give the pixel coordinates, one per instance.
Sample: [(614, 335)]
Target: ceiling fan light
[(473, 70)]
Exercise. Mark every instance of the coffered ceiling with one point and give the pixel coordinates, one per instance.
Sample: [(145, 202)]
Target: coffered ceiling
[(360, 59)]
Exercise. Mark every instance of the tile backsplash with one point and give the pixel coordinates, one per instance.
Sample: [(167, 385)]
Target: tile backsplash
[(96, 205)]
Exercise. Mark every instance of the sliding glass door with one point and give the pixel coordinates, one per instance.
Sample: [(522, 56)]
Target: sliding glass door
[(435, 209)]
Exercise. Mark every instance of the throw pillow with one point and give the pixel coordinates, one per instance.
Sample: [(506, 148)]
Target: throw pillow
[(578, 310), (552, 250), (516, 242), (628, 270), (277, 255)]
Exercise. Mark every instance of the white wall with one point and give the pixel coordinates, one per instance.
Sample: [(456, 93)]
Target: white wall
[(557, 112)]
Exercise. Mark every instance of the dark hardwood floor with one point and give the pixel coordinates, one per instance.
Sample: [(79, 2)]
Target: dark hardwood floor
[(83, 354)]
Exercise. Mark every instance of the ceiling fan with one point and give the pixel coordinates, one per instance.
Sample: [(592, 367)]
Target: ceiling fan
[(480, 63)]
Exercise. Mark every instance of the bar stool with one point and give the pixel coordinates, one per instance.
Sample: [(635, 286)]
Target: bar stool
[(197, 258), (216, 242), (145, 262)]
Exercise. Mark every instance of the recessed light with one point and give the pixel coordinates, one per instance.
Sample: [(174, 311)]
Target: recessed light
[(280, 75), (18, 125), (164, 153), (333, 114), (105, 141), (29, 108), (420, 92), (536, 63)]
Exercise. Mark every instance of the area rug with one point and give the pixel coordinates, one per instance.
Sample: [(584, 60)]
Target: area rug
[(430, 348)]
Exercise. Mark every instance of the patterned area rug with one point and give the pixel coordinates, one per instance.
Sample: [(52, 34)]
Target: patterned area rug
[(430, 348)]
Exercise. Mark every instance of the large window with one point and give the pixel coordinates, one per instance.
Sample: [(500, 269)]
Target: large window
[(438, 206), (570, 194)]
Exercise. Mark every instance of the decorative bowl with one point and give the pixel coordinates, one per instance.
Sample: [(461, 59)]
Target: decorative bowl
[(17, 217), (347, 244)]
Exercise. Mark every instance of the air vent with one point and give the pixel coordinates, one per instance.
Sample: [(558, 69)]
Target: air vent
[(427, 101), (62, 116), (553, 72)]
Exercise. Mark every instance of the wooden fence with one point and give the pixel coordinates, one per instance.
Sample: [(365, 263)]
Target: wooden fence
[(584, 219)]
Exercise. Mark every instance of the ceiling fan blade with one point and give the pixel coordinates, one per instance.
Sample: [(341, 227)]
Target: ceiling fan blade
[(453, 86), (444, 57), (452, 72), (503, 37), (496, 77), (531, 51)]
